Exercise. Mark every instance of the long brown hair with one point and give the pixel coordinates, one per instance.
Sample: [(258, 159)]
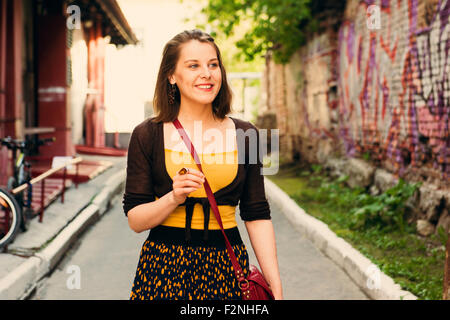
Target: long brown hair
[(166, 112)]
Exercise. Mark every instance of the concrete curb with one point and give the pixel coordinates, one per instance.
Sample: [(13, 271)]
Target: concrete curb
[(361, 270), (112, 186), (19, 283), (52, 253)]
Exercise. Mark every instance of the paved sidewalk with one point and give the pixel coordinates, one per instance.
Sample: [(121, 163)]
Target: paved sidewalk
[(306, 273), (105, 258), (108, 253), (314, 262), (36, 252), (367, 276)]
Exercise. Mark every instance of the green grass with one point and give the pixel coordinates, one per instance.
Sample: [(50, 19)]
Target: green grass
[(414, 262)]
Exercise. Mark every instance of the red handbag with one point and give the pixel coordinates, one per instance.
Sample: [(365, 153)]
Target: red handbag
[(254, 287)]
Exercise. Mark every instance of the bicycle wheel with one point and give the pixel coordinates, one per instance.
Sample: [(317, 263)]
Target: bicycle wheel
[(10, 218), (12, 183)]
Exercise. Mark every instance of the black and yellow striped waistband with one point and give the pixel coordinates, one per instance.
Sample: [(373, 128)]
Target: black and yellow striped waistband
[(177, 236)]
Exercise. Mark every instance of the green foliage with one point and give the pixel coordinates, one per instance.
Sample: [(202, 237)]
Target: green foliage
[(384, 211), (278, 25), (316, 168), (366, 156), (442, 235), (414, 262)]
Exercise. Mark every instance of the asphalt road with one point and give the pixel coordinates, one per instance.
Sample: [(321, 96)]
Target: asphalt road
[(102, 263)]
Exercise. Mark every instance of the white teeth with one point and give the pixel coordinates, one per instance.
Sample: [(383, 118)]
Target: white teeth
[(205, 87)]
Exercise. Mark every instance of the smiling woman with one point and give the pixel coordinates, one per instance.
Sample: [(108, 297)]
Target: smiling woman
[(198, 80), (193, 73), (185, 256)]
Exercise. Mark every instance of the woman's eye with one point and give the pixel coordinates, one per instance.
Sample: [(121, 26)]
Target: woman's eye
[(214, 65)]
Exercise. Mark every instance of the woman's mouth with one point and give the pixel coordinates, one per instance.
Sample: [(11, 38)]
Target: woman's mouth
[(205, 87)]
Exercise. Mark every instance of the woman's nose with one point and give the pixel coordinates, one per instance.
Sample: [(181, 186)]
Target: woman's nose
[(205, 73)]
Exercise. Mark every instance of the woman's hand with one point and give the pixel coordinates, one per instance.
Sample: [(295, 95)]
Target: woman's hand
[(183, 184), (278, 295), (262, 238)]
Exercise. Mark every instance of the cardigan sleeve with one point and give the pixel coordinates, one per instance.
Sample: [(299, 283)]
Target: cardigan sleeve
[(139, 184), (253, 204)]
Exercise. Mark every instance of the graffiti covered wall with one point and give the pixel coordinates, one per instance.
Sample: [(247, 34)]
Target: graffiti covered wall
[(302, 95), (378, 94), (394, 85)]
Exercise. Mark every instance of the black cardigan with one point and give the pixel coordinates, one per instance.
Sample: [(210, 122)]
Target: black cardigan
[(147, 176)]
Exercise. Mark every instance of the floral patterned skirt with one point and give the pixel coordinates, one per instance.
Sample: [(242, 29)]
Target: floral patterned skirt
[(171, 269)]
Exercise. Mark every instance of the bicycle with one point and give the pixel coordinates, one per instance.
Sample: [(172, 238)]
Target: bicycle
[(15, 212)]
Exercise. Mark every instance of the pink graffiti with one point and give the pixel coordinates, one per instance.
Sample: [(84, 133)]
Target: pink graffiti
[(394, 99)]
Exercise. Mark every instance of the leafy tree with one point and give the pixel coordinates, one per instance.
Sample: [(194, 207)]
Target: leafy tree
[(277, 25)]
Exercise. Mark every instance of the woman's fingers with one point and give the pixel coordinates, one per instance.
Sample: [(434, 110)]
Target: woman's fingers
[(196, 172), (183, 184), (186, 190), (187, 183), (193, 175)]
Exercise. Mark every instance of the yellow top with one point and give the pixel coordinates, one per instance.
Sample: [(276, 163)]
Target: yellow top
[(220, 169)]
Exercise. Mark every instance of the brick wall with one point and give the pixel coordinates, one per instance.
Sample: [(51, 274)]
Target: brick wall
[(381, 93)]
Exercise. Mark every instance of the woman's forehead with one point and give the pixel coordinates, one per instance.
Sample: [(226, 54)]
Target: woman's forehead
[(198, 51)]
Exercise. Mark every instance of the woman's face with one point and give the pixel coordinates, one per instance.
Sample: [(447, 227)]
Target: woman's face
[(197, 73)]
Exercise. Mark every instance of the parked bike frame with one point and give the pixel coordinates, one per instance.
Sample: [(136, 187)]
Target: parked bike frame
[(15, 213)]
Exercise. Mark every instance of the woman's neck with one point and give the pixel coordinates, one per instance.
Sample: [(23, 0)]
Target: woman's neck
[(196, 112)]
